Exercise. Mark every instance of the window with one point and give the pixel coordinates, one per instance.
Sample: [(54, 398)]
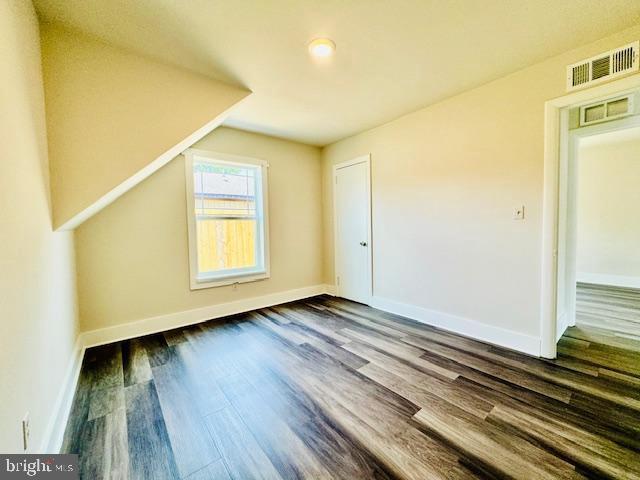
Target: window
[(227, 219)]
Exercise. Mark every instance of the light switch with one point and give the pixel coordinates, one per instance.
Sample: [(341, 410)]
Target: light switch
[(518, 213)]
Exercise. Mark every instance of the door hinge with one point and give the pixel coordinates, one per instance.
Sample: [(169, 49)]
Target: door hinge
[(338, 281)]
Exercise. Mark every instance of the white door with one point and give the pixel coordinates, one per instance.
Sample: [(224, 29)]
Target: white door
[(352, 230)]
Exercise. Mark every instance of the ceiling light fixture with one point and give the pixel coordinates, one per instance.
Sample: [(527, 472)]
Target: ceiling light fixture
[(322, 47)]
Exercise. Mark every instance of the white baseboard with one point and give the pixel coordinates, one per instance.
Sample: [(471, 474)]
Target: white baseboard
[(463, 326), (52, 440), (330, 290), (609, 280), (161, 323), (54, 433)]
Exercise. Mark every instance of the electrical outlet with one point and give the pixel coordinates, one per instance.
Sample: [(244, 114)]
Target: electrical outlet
[(26, 431), (518, 213)]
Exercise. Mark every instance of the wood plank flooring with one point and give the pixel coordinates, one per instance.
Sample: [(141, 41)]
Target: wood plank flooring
[(329, 389), (614, 309)]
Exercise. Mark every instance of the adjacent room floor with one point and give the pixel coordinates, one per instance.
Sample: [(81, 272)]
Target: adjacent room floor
[(326, 388), (614, 309)]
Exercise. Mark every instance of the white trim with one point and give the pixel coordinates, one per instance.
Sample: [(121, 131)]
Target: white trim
[(54, 433), (330, 290), (464, 326), (564, 323), (367, 160), (170, 321), (552, 148), (624, 281), (229, 277), (354, 161), (221, 157), (147, 171)]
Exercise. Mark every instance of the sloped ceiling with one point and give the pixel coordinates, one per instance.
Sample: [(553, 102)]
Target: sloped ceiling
[(114, 118), (392, 56)]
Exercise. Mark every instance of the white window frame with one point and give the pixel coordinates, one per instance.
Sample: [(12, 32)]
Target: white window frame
[(230, 276)]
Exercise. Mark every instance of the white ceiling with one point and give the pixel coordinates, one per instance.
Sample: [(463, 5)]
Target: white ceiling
[(392, 56)]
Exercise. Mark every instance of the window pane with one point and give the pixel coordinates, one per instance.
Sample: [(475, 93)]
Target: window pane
[(618, 107), (225, 244), (226, 216), (591, 114), (224, 189)]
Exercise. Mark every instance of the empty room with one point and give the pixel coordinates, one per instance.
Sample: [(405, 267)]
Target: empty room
[(290, 239)]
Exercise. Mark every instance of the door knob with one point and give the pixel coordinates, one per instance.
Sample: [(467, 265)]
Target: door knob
[(363, 244)]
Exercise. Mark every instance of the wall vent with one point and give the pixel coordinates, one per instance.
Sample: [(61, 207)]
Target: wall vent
[(606, 110), (605, 66)]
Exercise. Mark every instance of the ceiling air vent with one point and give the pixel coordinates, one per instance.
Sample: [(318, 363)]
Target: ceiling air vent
[(603, 67)]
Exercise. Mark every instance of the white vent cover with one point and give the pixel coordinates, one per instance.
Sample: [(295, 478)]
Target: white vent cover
[(605, 66), (606, 110)]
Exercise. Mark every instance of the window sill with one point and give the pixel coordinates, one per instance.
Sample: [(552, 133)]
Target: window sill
[(231, 279)]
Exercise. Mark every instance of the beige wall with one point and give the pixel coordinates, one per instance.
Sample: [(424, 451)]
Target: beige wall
[(38, 321), (133, 256), (111, 113), (608, 201), (445, 181)]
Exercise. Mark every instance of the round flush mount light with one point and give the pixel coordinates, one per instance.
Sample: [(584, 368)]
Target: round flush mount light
[(322, 47)]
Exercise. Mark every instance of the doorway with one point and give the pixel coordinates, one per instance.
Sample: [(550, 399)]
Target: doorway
[(556, 146), (603, 231), (598, 248), (352, 229)]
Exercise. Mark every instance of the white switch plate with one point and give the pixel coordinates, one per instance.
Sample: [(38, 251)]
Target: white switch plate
[(518, 213)]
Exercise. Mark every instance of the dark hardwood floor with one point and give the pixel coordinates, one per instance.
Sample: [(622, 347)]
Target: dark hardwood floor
[(326, 388)]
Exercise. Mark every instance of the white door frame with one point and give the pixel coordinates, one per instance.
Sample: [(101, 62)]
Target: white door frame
[(556, 128), (568, 191), (366, 159)]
